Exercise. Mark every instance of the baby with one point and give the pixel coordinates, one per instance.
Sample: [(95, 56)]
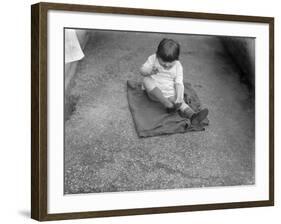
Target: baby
[(163, 81)]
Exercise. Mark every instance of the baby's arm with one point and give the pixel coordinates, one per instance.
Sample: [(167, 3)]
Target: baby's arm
[(148, 67), (145, 71), (148, 71)]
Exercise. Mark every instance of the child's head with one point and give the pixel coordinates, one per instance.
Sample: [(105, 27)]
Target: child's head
[(168, 51)]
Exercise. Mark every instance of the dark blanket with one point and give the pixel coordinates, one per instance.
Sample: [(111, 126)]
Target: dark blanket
[(151, 118)]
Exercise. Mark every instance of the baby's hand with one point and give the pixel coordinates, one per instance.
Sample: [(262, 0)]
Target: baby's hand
[(154, 71)]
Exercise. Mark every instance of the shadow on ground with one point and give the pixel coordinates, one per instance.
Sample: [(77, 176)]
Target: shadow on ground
[(102, 150)]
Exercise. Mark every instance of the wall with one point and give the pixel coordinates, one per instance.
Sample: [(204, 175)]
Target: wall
[(70, 71), (15, 113), (82, 37), (70, 68), (242, 51)]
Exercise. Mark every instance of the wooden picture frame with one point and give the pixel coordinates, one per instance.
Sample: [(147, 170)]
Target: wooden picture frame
[(39, 110)]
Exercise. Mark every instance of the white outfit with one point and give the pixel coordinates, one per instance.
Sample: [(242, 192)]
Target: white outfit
[(165, 79)]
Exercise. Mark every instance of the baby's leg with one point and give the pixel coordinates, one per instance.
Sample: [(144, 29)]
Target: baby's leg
[(188, 112), (184, 108), (155, 93)]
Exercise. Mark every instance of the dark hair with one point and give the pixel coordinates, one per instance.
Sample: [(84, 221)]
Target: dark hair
[(168, 50)]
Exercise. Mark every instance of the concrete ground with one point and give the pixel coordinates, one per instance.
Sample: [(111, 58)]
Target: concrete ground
[(102, 150)]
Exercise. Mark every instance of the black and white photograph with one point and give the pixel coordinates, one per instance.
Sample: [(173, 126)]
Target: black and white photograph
[(147, 111)]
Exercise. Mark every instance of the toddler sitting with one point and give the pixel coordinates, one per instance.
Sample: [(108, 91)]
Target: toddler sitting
[(163, 81)]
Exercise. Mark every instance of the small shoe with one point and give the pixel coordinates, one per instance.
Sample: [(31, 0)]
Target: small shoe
[(198, 117)]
